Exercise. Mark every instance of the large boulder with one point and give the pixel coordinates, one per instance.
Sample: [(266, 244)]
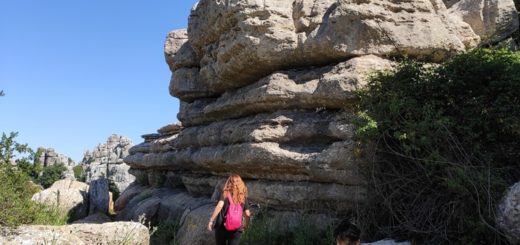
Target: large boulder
[(79, 234), (99, 196), (70, 197), (508, 215)]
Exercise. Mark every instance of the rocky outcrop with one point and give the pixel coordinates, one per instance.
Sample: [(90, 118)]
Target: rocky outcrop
[(48, 157), (70, 197), (79, 234), (508, 214), (268, 90), (106, 161)]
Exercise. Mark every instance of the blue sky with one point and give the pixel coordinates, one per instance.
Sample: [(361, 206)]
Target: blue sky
[(75, 72)]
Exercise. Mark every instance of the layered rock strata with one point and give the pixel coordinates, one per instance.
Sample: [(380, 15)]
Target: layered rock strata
[(49, 157), (106, 161), (268, 90)]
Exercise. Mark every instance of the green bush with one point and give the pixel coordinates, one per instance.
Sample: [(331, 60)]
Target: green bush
[(17, 188), (51, 174), (166, 233), (79, 173), (265, 229), (15, 201), (446, 140)]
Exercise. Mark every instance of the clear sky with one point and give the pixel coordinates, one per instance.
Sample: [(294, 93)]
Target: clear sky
[(76, 71)]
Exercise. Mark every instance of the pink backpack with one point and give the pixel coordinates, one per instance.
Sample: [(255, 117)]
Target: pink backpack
[(234, 215)]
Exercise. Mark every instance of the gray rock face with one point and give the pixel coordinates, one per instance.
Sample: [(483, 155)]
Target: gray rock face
[(80, 234), (106, 161), (99, 196), (268, 90), (239, 42), (71, 197), (492, 20), (329, 87), (49, 157), (508, 215)]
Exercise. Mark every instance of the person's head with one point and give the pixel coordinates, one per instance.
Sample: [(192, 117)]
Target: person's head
[(236, 187), (347, 233)]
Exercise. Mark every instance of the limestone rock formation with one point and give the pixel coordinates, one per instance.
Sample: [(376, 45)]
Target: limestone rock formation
[(69, 196), (508, 215), (49, 157), (493, 21), (106, 161), (79, 234), (267, 91)]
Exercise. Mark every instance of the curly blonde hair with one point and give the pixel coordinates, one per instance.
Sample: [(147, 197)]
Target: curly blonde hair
[(236, 187)]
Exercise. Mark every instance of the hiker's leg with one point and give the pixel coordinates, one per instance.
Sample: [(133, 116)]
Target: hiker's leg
[(235, 238), (220, 236)]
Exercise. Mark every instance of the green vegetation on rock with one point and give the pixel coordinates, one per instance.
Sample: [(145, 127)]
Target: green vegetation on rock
[(446, 143)]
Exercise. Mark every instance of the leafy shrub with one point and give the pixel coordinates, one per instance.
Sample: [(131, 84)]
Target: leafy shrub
[(17, 188), (11, 150), (446, 140), (15, 201), (79, 173), (51, 174), (265, 229)]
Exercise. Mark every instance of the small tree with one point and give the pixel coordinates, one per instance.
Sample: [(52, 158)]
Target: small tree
[(9, 149)]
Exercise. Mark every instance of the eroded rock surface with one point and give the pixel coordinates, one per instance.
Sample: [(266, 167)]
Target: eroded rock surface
[(268, 91), (106, 161), (70, 197)]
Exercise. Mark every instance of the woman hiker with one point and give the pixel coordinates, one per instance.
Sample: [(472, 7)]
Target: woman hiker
[(227, 216)]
